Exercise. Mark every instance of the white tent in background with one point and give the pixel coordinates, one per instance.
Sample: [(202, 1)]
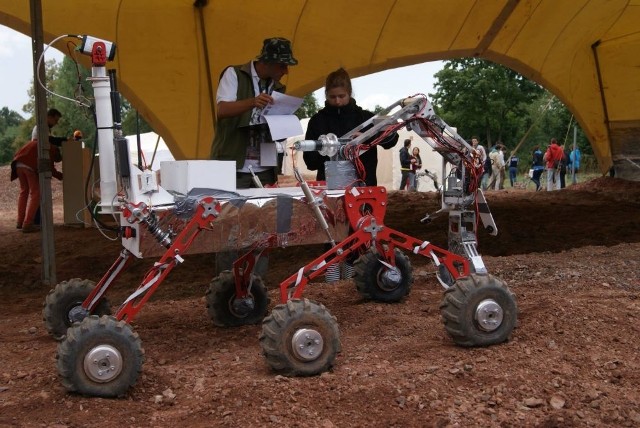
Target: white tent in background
[(151, 144), (388, 160)]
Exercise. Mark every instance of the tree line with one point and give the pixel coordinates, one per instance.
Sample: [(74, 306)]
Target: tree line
[(496, 104), (476, 96)]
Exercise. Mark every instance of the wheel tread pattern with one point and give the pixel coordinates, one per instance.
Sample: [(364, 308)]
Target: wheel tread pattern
[(457, 313), (365, 277), (57, 299), (222, 289), (91, 331), (278, 328)]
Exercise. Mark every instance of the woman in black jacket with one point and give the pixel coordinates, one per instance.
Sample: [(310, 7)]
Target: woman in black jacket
[(340, 115)]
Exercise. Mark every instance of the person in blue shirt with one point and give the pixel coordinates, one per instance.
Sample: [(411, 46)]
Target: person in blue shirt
[(574, 159), (537, 166)]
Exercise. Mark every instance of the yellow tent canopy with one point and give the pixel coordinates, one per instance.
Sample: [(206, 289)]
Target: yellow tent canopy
[(171, 52)]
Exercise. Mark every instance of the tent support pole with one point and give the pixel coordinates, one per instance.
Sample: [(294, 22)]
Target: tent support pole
[(44, 160), (200, 4)]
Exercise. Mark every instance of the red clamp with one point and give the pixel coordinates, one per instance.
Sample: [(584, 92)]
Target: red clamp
[(98, 54)]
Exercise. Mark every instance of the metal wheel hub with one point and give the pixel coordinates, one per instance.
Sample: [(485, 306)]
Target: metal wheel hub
[(390, 279), (307, 344), (103, 363), (77, 313), (489, 315), (242, 307)]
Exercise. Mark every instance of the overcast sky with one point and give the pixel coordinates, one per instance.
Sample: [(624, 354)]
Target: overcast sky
[(384, 88)]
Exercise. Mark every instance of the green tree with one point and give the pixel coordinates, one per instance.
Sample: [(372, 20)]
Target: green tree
[(485, 99), (309, 106), (10, 122), (132, 122), (71, 82)]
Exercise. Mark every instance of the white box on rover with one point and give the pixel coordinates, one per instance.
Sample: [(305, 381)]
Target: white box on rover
[(182, 176)]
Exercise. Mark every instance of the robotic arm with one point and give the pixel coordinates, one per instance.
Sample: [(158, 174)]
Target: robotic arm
[(461, 190)]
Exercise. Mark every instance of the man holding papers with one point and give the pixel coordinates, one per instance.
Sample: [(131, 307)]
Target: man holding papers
[(242, 132)]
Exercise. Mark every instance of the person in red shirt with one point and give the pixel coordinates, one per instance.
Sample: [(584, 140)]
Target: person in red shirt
[(552, 157), (24, 167)]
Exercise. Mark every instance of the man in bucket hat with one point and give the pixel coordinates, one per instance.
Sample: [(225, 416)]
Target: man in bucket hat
[(243, 91)]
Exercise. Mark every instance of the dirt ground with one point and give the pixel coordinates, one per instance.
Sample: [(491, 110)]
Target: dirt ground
[(571, 257)]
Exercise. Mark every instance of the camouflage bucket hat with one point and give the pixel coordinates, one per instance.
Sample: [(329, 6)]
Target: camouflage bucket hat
[(277, 50)]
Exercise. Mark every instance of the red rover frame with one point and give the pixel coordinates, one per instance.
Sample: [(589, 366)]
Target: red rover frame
[(101, 355)]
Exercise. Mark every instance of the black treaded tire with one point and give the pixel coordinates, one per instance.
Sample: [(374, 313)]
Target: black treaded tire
[(311, 327), (368, 271), (462, 315), (66, 296), (100, 344), (220, 296)]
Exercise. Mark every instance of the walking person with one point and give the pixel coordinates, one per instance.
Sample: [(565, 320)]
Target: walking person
[(483, 160), (553, 157), (497, 166), (537, 165), (574, 158), (513, 168), (405, 164), (415, 166), (503, 173), (565, 164)]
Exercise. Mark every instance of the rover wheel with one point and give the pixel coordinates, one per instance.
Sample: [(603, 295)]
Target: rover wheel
[(300, 338), (63, 306), (100, 357), (379, 282), (226, 310), (479, 310)]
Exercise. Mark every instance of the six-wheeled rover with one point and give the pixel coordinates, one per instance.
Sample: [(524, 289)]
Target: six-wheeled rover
[(99, 353)]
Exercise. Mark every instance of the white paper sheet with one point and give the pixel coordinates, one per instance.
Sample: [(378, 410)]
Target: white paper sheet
[(282, 126), (280, 118), (282, 105)]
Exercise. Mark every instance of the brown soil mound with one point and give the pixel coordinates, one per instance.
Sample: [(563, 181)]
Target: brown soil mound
[(572, 258)]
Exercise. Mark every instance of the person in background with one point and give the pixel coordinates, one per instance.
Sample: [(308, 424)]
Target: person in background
[(574, 159), (552, 157), (537, 165), (53, 117), (503, 171), (513, 168), (497, 166), (486, 174), (405, 164), (340, 115), (565, 164), (479, 148), (482, 159), (24, 167), (416, 164), (243, 92)]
